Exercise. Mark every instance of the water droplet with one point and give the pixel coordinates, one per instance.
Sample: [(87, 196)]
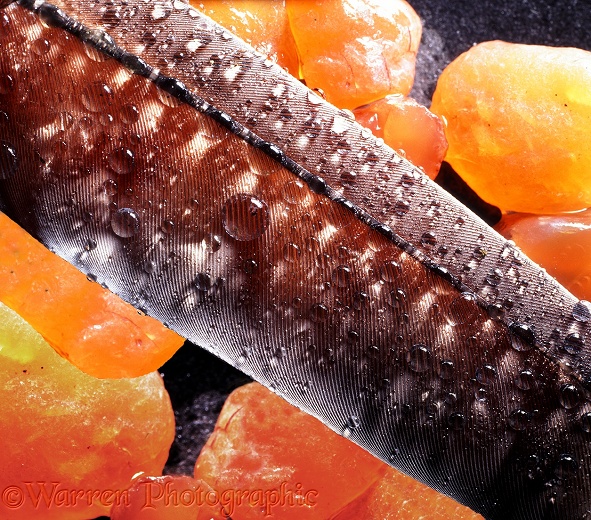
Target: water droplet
[(586, 422), (401, 207), (40, 46), (121, 161), (463, 309), (570, 396), (319, 313), (566, 467), (245, 217), (293, 192), (360, 300), (523, 335), (390, 271), (167, 227), (525, 380), (149, 266), (573, 343), (419, 358), (161, 11), (213, 243), (202, 282), (8, 161), (125, 223), (456, 421), (428, 239), (519, 419), (96, 97), (494, 277), (486, 375), (6, 84), (495, 311), (582, 311), (344, 146), (291, 252), (129, 114), (348, 178), (90, 244), (313, 127), (353, 422), (341, 276), (446, 369)]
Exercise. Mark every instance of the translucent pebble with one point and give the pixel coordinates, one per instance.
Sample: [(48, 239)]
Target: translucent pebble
[(356, 52), (245, 217), (519, 116), (67, 427), (125, 223)]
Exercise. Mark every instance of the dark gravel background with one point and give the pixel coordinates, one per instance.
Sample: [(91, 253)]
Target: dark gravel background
[(198, 382)]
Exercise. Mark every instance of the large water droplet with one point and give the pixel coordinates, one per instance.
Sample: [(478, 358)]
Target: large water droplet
[(486, 374), (341, 276), (202, 282), (96, 97), (573, 343), (419, 358), (319, 313), (523, 335), (582, 311), (519, 419), (566, 467), (125, 223), (463, 309), (41, 46), (161, 11), (245, 217), (570, 396), (525, 380), (8, 161), (122, 161), (291, 252), (456, 421), (129, 114)]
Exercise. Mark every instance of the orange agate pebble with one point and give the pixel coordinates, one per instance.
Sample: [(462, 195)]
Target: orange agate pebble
[(71, 443), (261, 23), (398, 497), (171, 497), (518, 125), (305, 471), (408, 127), (356, 52), (559, 243), (301, 469), (96, 330)]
